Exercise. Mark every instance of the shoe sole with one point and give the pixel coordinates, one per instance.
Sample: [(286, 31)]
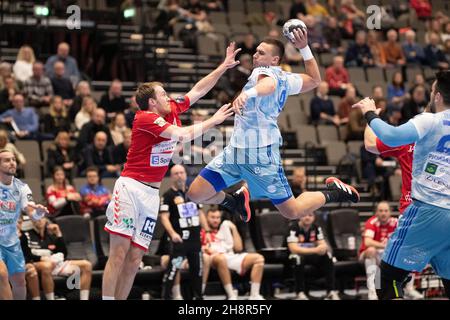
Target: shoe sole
[(332, 180), (247, 204)]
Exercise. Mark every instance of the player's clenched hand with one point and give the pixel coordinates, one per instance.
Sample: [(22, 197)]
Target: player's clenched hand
[(300, 38), (239, 103), (224, 112), (366, 105), (230, 61)]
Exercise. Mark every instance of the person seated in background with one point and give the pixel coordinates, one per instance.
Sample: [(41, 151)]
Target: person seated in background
[(322, 108), (413, 51), (393, 50), (358, 54), (56, 120), (356, 125), (337, 77), (345, 105), (99, 154), (397, 93), (62, 154), (376, 48), (240, 74), (90, 129), (71, 70), (415, 105), (38, 88), (6, 145), (120, 151), (314, 8), (83, 90), (118, 127), (62, 198), (435, 56), (224, 246), (315, 36), (23, 67), (248, 46), (95, 196), (88, 106), (23, 120), (307, 246), (298, 182), (7, 93), (62, 85), (131, 112), (333, 35), (45, 247), (113, 101), (297, 9)]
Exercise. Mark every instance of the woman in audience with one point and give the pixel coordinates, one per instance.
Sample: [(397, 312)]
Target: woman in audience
[(6, 145), (346, 104), (7, 93), (118, 127), (56, 120), (84, 115), (62, 198), (376, 48), (62, 154), (397, 92), (83, 90), (23, 67)]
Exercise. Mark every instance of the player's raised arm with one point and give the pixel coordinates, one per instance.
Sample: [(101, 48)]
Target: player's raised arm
[(370, 141), (312, 77), (202, 87), (191, 132)]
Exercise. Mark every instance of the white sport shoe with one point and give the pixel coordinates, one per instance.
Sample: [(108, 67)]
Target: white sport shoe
[(233, 298), (257, 297), (301, 296), (177, 298), (372, 295), (413, 294), (333, 295)]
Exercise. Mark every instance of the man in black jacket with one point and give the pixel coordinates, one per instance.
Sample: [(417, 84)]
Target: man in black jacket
[(89, 130), (99, 154)]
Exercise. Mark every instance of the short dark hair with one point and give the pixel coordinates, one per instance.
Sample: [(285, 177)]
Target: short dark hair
[(213, 208), (443, 85), (278, 45), (144, 92), (92, 169)]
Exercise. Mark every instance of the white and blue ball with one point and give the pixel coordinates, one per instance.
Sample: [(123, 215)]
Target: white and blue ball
[(290, 26)]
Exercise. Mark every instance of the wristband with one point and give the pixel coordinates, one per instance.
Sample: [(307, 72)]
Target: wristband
[(251, 93), (370, 115), (306, 53)]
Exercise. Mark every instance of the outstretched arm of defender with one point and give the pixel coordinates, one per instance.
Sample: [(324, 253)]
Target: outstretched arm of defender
[(312, 77), (202, 87), (191, 132)]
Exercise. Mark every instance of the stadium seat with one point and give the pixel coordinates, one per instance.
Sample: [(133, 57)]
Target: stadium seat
[(335, 151), (273, 229), (306, 134), (101, 240), (344, 224), (217, 17), (235, 7), (109, 183), (254, 6), (390, 72), (343, 131), (30, 149), (354, 147), (395, 184), (33, 169), (327, 133), (375, 76), (36, 187), (357, 75), (78, 182)]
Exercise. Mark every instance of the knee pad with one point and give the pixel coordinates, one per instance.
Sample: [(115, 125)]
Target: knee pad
[(389, 281)]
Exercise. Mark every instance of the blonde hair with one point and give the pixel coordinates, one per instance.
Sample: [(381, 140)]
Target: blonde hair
[(53, 112), (4, 135), (21, 54), (85, 101)]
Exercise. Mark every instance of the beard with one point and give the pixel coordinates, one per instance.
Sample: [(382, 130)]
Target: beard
[(431, 107), (8, 172)]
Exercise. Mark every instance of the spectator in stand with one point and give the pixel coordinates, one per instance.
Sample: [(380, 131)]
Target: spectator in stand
[(377, 92), (168, 16), (322, 108), (315, 36), (413, 51), (316, 9), (381, 103), (6, 145), (5, 71), (434, 26), (38, 88), (397, 93), (333, 36), (56, 120), (415, 105), (307, 246), (345, 106), (62, 154), (446, 34), (62, 198), (337, 77), (7, 94), (376, 49), (447, 50), (435, 56), (419, 80), (95, 196), (99, 154), (297, 10), (358, 54), (96, 124), (120, 151), (117, 127), (62, 85), (24, 119), (113, 101), (70, 64), (45, 248), (298, 182), (23, 67), (393, 50), (86, 112), (131, 111), (224, 246), (239, 75), (423, 9), (83, 90), (353, 19), (356, 125), (248, 46)]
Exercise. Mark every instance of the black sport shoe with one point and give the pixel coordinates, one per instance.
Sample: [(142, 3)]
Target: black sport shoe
[(242, 197), (349, 193)]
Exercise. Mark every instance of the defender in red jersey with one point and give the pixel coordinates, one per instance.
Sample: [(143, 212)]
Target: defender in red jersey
[(133, 211)]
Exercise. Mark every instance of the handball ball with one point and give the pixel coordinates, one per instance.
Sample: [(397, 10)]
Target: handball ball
[(291, 25)]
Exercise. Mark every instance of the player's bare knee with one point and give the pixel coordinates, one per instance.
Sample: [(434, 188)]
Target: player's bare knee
[(370, 253), (18, 280), (260, 260), (86, 266)]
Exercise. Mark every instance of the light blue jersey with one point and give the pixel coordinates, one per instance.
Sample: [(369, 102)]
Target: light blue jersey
[(257, 126), (13, 200), (431, 165)]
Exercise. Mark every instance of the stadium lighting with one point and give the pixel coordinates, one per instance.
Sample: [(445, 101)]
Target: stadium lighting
[(129, 13), (42, 11)]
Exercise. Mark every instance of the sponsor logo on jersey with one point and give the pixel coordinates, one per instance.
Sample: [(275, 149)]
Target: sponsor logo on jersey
[(160, 122), (160, 160), (30, 197), (431, 168), (180, 100), (164, 146), (148, 228)]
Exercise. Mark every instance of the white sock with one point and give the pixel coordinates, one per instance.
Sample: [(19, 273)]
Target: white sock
[(371, 269), (108, 298), (84, 294), (254, 289), (229, 290), (36, 298), (50, 296), (176, 290), (203, 287)]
